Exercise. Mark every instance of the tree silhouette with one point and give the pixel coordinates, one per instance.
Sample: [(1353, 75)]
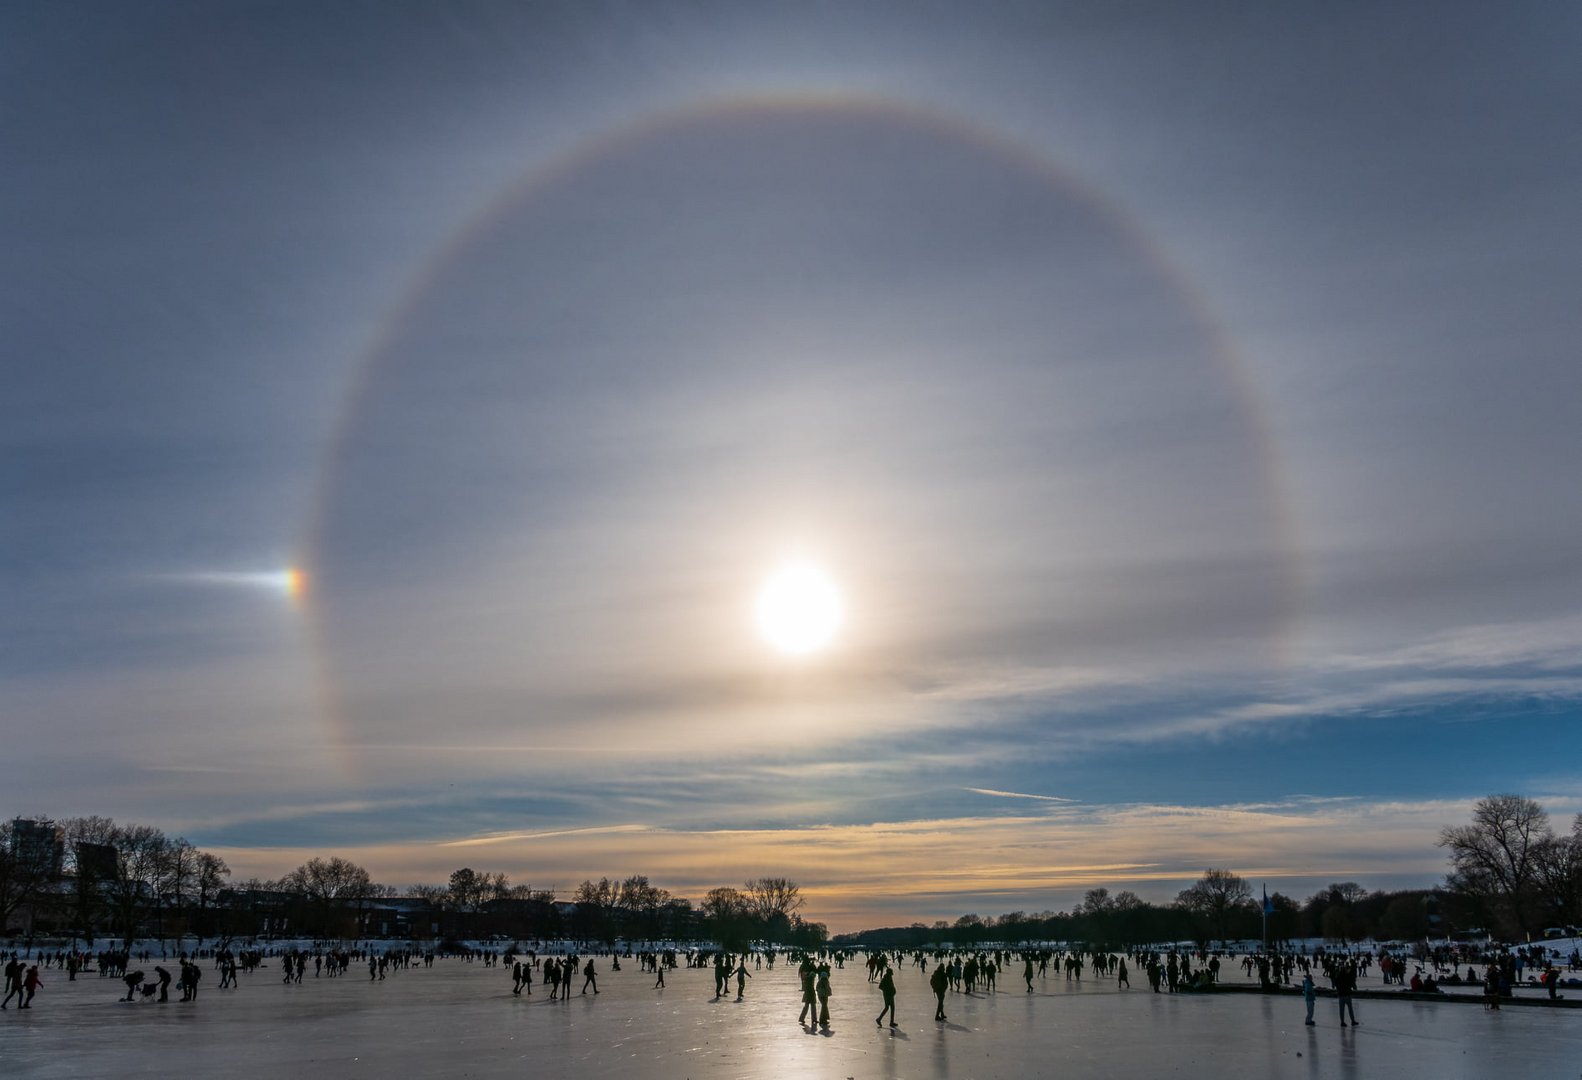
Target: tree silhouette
[(1216, 899), (1495, 859)]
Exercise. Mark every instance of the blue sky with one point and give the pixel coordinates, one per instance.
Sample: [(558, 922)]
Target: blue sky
[(1181, 397)]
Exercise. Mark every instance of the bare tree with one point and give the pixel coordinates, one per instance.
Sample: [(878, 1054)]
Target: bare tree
[(772, 901), (1495, 858), (92, 856), (641, 904), (1217, 898), (1558, 873), (496, 886), (466, 890), (1095, 902), (140, 852), (178, 868), (331, 885), (207, 883), (726, 913), (1340, 920), (595, 902)]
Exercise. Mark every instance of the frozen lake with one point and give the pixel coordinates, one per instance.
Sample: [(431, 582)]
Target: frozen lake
[(461, 1019)]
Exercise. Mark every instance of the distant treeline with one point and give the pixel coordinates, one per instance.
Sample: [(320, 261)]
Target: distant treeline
[(1342, 912), (1511, 873), (90, 877), (1512, 877)]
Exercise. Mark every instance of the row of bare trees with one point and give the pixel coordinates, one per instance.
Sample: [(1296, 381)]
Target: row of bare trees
[(766, 909), (90, 872), (91, 876), (1219, 906), (1511, 865), (1511, 874), (763, 909), (1510, 870)]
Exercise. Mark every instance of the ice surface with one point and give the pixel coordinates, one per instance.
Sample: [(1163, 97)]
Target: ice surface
[(460, 1019)]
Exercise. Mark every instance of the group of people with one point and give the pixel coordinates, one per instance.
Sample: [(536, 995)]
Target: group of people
[(191, 974), (557, 974), (946, 971), (815, 992), (21, 982), (725, 970)]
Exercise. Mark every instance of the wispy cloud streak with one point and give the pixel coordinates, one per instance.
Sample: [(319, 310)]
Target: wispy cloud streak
[(1018, 795)]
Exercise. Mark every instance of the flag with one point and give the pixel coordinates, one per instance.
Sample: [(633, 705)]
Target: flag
[(1268, 905)]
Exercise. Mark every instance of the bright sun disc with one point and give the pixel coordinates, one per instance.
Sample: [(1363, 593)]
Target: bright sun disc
[(799, 609)]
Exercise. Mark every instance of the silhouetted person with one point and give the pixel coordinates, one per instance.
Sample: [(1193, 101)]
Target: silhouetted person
[(164, 984), (887, 988), (1345, 980), (806, 973), (939, 982), (13, 982), (589, 978)]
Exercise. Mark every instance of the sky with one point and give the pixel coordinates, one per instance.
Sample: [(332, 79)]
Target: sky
[(405, 405)]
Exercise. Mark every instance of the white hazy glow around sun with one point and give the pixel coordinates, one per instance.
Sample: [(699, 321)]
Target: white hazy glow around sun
[(799, 609)]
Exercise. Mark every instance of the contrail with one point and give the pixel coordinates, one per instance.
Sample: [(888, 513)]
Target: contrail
[(498, 838), (1017, 795)]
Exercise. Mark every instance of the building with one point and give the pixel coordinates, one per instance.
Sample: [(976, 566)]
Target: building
[(38, 848)]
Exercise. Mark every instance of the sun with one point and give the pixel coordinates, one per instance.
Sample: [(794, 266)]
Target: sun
[(799, 609)]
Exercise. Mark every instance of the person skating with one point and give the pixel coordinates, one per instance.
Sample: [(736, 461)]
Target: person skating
[(31, 984), (939, 982), (887, 988), (822, 988), (13, 981), (807, 975)]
